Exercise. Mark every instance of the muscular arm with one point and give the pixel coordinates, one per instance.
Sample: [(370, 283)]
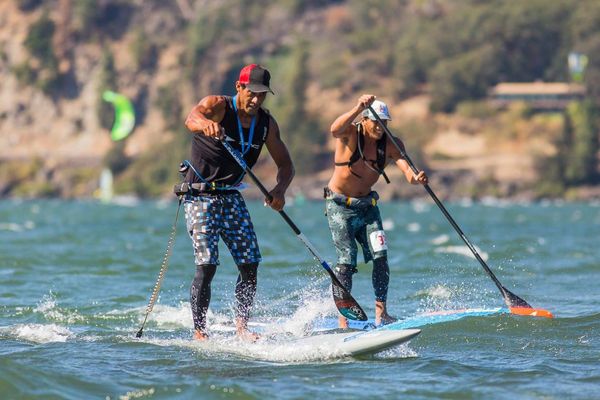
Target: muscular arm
[(401, 163), (341, 127), (285, 167), (206, 116)]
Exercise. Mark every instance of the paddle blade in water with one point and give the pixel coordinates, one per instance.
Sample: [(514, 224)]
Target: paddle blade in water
[(512, 300), (531, 312), (346, 304)]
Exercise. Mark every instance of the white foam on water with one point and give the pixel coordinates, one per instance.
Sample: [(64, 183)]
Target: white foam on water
[(465, 202), (388, 224), (401, 351), (462, 250), (14, 227), (10, 226), (173, 317), (315, 306), (420, 206), (440, 239), (48, 308), (40, 333), (413, 227), (274, 348), (437, 291), (442, 298), (137, 394), (495, 202)]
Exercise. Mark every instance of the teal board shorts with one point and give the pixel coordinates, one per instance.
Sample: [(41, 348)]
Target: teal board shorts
[(355, 220)]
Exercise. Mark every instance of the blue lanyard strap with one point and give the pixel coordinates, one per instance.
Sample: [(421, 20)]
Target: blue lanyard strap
[(244, 145)]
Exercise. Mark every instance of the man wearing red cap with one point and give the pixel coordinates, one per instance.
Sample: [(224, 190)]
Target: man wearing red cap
[(362, 151), (215, 208)]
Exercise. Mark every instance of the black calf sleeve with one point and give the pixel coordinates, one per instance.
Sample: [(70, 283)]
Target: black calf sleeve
[(245, 289), (381, 278), (200, 294), (344, 274)]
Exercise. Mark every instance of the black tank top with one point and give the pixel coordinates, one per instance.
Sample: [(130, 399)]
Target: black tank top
[(213, 162)]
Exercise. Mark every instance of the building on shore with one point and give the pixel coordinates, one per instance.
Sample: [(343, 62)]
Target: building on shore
[(540, 96)]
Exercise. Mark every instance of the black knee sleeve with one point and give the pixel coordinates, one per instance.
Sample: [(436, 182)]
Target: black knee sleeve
[(200, 294), (245, 289), (344, 274), (381, 278)]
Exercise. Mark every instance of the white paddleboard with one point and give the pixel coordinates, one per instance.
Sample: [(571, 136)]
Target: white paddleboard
[(356, 343)]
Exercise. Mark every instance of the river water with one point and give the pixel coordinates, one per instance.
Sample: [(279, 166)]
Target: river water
[(76, 277)]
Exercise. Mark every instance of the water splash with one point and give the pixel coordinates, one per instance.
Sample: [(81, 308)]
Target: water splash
[(38, 333), (463, 250)]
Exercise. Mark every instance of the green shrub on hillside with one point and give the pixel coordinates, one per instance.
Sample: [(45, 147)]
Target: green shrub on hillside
[(154, 173), (39, 41), (28, 5), (108, 80), (169, 103), (24, 73), (582, 130)]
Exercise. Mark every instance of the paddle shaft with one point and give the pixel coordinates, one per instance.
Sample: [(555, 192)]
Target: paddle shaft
[(437, 201), (283, 214)]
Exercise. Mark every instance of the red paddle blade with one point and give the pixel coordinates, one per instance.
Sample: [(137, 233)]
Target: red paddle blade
[(531, 312)]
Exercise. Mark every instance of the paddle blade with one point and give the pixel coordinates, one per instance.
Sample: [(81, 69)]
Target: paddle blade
[(512, 300), (139, 333), (346, 304), (531, 312), (518, 306)]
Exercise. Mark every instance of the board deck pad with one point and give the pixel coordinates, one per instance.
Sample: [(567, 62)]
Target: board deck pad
[(415, 321)]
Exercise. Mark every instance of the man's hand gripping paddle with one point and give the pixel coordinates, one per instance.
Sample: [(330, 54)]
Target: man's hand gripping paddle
[(515, 304), (344, 301)]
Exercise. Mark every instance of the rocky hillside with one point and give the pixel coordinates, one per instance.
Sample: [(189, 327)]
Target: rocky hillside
[(57, 56)]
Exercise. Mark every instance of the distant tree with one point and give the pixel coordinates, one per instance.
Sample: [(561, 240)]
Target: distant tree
[(108, 80), (28, 5), (169, 103), (581, 164), (467, 76), (39, 44), (39, 40), (302, 134), (584, 37)]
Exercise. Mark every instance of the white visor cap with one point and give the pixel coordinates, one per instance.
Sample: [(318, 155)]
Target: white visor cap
[(380, 108)]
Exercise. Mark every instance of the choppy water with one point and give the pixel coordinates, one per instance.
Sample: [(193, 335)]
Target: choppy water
[(75, 278)]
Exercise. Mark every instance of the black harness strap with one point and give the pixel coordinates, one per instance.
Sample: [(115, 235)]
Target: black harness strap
[(377, 165)]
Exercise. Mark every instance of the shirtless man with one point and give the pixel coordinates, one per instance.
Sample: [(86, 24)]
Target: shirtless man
[(362, 151)]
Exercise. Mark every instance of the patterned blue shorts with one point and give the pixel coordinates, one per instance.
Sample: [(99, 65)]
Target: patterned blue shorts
[(209, 217)]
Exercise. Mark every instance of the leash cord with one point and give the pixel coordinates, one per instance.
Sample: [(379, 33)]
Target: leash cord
[(163, 269)]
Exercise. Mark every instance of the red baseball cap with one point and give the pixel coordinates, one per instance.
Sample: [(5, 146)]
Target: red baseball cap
[(256, 78)]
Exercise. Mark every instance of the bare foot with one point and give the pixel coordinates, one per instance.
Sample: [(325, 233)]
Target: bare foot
[(199, 335), (381, 315), (241, 327), (247, 335), (385, 319), (343, 322)]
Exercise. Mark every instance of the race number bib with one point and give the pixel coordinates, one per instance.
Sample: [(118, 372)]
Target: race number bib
[(378, 242)]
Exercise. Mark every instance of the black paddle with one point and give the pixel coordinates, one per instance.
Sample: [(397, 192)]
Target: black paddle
[(344, 301), (511, 299)]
